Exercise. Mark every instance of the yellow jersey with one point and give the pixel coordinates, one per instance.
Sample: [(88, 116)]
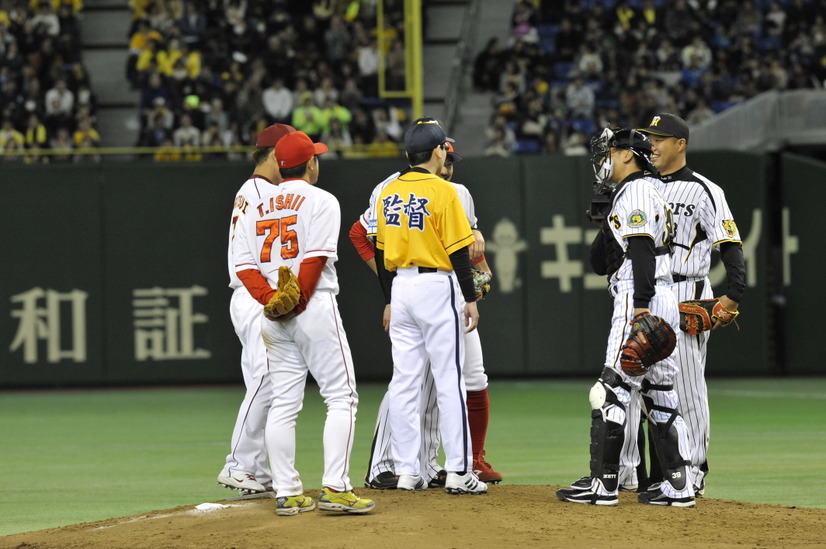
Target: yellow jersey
[(420, 222)]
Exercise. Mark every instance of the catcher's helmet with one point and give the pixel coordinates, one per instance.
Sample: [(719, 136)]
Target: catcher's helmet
[(601, 146)]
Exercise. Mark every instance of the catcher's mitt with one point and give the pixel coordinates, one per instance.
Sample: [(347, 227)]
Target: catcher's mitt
[(651, 340), (699, 315), (481, 281), (286, 295)]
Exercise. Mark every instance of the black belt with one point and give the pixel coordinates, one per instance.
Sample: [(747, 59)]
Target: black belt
[(679, 278), (428, 270)]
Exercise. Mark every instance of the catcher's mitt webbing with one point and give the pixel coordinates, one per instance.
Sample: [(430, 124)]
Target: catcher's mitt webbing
[(286, 295), (651, 340)]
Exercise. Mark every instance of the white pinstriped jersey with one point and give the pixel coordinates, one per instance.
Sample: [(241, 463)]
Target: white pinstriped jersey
[(702, 218), (368, 218), (640, 210), (254, 189), (298, 220)]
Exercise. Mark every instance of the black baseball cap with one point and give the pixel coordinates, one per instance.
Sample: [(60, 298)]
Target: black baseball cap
[(667, 125), (423, 136)]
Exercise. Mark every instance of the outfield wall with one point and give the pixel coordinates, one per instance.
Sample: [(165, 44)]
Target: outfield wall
[(115, 273)]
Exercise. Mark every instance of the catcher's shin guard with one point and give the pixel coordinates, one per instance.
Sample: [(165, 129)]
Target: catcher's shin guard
[(666, 441), (607, 436)]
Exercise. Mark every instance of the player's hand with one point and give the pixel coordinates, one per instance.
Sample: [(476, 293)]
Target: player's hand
[(471, 317), (385, 319), (477, 249), (729, 304)]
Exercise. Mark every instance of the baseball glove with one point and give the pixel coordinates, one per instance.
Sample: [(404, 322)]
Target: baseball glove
[(651, 340), (699, 315), (286, 295), (481, 281)]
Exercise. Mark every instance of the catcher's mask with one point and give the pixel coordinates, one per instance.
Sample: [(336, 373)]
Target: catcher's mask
[(602, 162)]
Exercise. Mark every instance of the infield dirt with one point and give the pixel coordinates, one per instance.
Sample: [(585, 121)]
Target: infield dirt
[(508, 516)]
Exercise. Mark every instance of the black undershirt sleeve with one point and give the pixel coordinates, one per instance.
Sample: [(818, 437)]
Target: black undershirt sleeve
[(598, 253), (461, 266), (644, 264), (385, 276), (732, 255)]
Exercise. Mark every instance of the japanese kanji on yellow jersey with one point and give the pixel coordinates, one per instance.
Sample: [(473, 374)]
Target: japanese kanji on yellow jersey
[(413, 230)]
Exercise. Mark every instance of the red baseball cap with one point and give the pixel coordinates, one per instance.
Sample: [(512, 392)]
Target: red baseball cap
[(295, 149), (270, 135)]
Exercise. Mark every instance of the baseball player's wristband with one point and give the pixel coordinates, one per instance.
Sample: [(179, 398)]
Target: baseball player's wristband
[(480, 259)]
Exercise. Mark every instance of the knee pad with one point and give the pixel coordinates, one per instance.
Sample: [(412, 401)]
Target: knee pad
[(607, 436)]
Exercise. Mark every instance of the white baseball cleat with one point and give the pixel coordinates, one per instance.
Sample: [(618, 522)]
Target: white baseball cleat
[(411, 482), (467, 483), (243, 482)]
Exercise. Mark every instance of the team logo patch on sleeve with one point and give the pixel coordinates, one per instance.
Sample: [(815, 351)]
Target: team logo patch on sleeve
[(637, 218), (730, 227)]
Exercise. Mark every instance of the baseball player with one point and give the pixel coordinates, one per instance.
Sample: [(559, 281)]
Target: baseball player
[(703, 222), (298, 227), (380, 473), (423, 263), (246, 467), (633, 250)]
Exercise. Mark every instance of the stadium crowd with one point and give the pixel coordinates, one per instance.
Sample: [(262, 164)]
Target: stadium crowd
[(214, 73), (46, 97), (571, 67)]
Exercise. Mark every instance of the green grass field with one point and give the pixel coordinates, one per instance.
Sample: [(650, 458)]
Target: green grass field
[(80, 456)]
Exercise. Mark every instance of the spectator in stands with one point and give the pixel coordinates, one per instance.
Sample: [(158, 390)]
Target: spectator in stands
[(667, 58), (61, 145), (749, 20), (45, 21), (186, 135), (155, 89), (368, 64), (588, 62), (335, 112), (497, 145), (382, 146), (487, 66), (351, 95), (167, 152), (9, 133), (580, 99), (386, 120), (697, 53), (576, 144), (337, 40), (85, 134), (60, 103), (308, 118), (35, 135), (362, 128), (84, 155), (155, 134), (69, 38), (500, 134), (217, 115), (325, 92), (550, 143), (193, 24), (337, 138), (278, 102)]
